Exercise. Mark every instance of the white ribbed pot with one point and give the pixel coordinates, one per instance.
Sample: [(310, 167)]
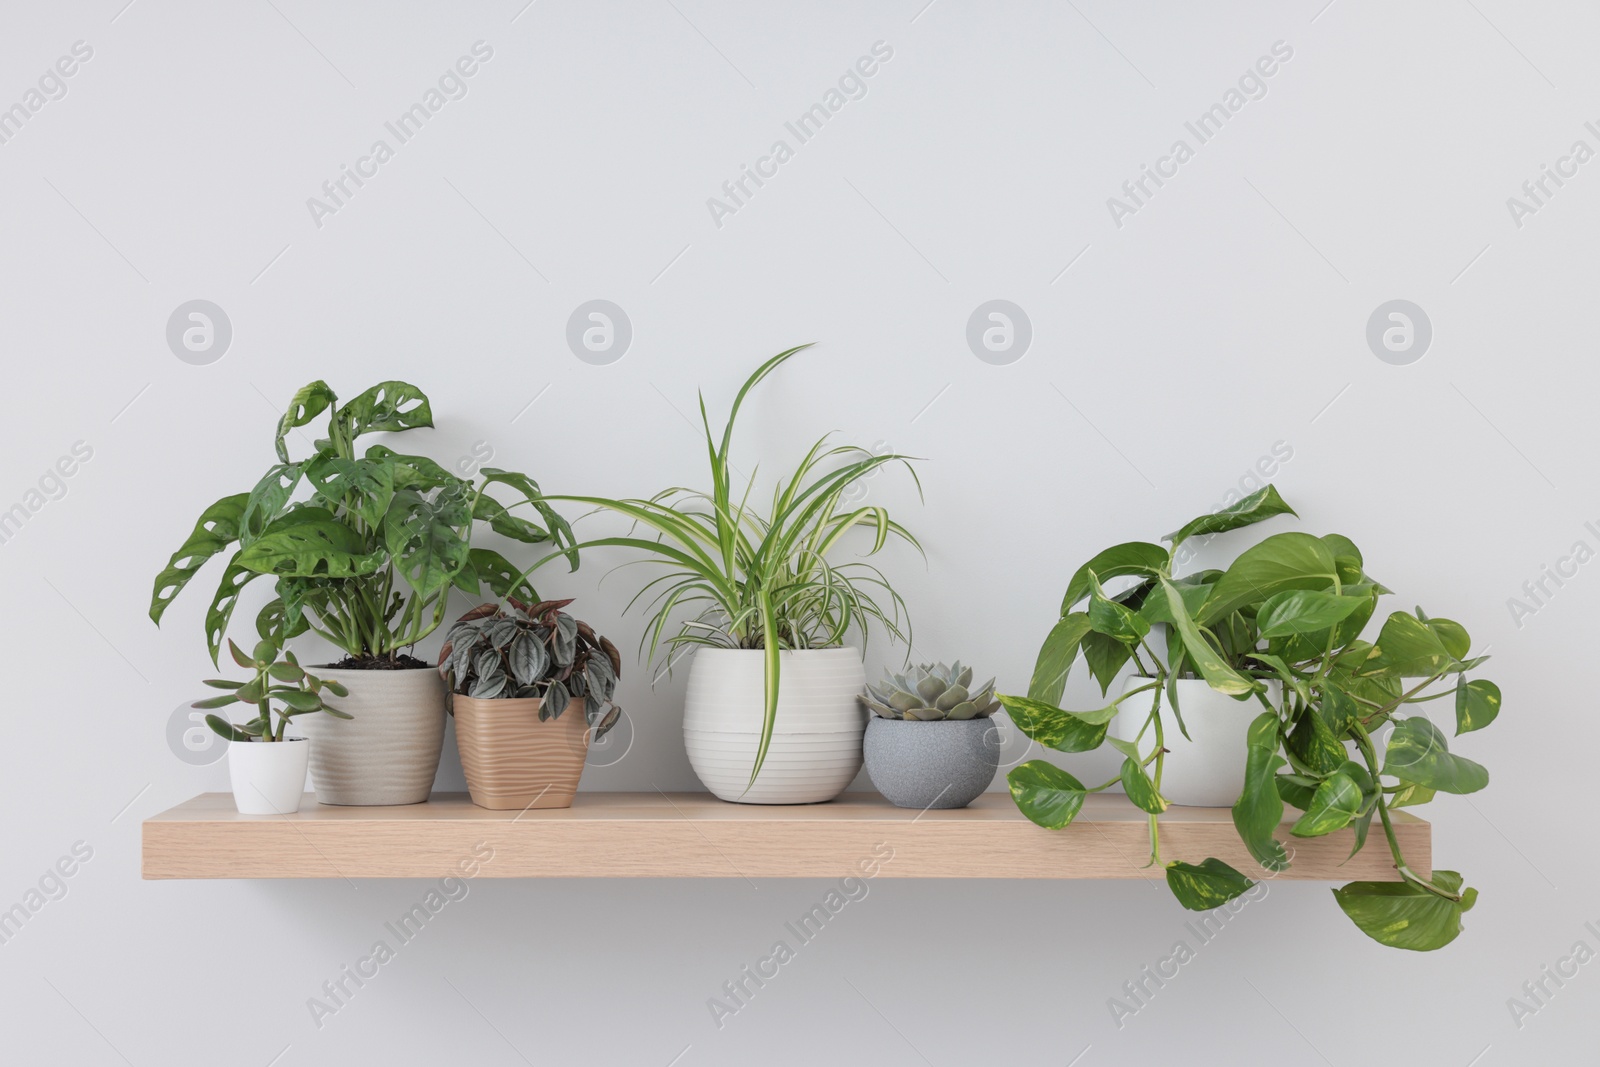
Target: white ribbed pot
[(268, 777), (1206, 769), (816, 741), (389, 752)]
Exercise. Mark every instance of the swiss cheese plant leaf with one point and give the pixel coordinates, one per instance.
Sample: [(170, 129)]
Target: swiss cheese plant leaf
[(1051, 726), (411, 472), (1283, 561), (1336, 802), (364, 486), (1206, 659), (309, 542), (217, 528), (218, 615), (386, 407), (1119, 561), (502, 522), (267, 499), (1045, 793), (427, 538), (308, 403), (1304, 611), (1141, 789), (1259, 809), (501, 576), (1055, 659), (1206, 885), (1262, 504), (1419, 753), (1402, 915), (1477, 704)]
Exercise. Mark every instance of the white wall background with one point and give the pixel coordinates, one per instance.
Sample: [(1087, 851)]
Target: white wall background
[(1226, 316)]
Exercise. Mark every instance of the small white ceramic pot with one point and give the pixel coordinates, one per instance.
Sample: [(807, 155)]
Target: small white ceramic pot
[(389, 752), (268, 777), (1206, 769), (816, 742)]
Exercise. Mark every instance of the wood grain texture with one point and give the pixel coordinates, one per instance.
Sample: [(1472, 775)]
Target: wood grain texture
[(693, 835)]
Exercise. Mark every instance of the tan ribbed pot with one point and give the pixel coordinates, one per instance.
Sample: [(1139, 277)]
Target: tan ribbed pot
[(512, 760), (388, 753)]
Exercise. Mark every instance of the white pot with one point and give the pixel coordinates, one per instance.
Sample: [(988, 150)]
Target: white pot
[(1205, 770), (816, 741), (389, 752), (268, 777)]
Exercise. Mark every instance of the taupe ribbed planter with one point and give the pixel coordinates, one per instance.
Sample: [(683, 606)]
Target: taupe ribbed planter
[(388, 753), (514, 761)]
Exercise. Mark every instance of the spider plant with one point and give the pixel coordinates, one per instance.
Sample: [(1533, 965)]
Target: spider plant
[(741, 577)]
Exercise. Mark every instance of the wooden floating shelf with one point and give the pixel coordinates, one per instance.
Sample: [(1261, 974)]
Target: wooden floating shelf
[(694, 835)]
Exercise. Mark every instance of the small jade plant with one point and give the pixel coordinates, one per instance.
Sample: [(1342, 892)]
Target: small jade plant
[(513, 650), (931, 692), (277, 681)]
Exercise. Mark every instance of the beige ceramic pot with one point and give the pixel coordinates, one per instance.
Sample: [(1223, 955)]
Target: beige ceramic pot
[(389, 752), (514, 761)]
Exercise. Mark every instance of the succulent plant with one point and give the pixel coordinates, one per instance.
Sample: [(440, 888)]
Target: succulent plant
[(514, 650), (931, 691), (281, 681)]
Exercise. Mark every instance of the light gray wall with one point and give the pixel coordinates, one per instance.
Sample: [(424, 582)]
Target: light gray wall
[(1225, 316)]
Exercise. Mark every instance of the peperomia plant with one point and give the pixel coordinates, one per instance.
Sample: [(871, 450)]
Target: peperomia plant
[(276, 681), (1291, 608), (368, 557), (519, 651)]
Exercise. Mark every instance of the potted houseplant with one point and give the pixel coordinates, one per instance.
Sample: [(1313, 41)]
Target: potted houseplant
[(930, 742), (1289, 610), (530, 687), (365, 548), (267, 768), (771, 715)]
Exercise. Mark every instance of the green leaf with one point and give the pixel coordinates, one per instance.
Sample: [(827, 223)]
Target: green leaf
[(427, 538), (1056, 655), (1419, 753), (216, 702), (1402, 915), (286, 672), (1304, 611), (1212, 667), (1119, 561), (1105, 657), (267, 499), (309, 542), (503, 578), (1315, 746), (1411, 648), (386, 407), (501, 521), (1045, 793), (1296, 790), (1140, 789), (217, 528), (1051, 726), (1262, 504), (308, 403), (1157, 609), (364, 486), (1114, 620), (1336, 802), (299, 700), (411, 472), (1283, 561), (1409, 795), (220, 611), (1206, 885), (226, 729), (1259, 809), (1477, 704)]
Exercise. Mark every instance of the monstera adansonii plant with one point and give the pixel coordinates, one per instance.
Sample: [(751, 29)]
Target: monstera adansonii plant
[(1291, 608), (367, 556)]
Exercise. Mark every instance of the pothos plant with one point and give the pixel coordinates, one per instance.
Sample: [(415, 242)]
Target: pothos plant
[(367, 557), (739, 575), (1291, 608), (275, 681)]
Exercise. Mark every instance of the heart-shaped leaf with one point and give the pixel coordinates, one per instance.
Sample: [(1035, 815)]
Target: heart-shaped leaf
[(1402, 915), (1206, 885), (1045, 793)]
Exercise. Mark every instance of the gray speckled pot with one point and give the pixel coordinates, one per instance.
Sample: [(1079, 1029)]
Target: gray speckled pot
[(932, 764)]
